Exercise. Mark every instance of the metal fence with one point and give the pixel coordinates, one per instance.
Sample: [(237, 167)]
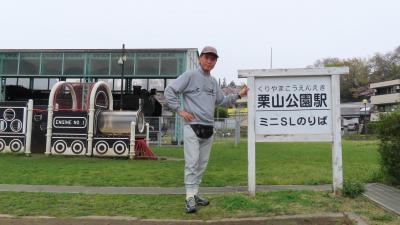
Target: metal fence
[(162, 130)]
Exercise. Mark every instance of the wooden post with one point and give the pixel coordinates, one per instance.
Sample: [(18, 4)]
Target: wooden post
[(251, 139), (337, 167)]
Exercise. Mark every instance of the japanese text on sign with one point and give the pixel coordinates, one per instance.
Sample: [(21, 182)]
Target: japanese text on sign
[(296, 105)]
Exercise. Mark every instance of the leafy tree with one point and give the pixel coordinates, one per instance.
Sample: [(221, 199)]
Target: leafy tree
[(356, 81), (232, 84), (381, 67), (385, 67)]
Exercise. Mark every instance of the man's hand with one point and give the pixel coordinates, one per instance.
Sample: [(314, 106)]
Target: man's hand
[(186, 115), (244, 91)]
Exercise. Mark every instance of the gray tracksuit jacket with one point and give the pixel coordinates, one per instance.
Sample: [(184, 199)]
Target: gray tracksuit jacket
[(200, 92)]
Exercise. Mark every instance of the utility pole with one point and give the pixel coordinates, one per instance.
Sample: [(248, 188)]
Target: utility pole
[(271, 59)]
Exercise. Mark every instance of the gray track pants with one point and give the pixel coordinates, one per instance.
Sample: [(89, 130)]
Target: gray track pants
[(197, 152)]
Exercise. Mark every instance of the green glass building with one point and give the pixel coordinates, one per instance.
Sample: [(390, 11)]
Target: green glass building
[(37, 70)]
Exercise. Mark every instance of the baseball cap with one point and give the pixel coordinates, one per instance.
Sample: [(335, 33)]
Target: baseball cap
[(209, 50)]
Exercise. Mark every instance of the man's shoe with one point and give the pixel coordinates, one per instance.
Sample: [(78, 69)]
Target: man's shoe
[(201, 201), (191, 205)]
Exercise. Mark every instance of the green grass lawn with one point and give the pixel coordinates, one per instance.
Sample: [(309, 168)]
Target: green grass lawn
[(277, 163), (172, 207)]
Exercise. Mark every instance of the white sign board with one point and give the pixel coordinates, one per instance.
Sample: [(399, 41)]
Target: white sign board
[(298, 105), (294, 105)]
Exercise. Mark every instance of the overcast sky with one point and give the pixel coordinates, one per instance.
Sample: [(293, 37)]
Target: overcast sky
[(299, 31)]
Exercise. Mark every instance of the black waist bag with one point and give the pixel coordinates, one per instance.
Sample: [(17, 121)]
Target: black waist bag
[(203, 131)]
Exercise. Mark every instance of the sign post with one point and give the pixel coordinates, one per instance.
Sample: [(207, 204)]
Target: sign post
[(294, 105)]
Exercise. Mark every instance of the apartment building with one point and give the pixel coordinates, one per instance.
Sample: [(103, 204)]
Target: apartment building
[(386, 98)]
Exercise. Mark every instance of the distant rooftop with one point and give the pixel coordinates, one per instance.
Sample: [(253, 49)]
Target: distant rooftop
[(385, 83), (116, 50)]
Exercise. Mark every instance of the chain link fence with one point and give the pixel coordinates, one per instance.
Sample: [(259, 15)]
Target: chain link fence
[(163, 130)]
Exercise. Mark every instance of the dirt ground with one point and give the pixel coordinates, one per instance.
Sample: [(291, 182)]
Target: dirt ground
[(291, 221)]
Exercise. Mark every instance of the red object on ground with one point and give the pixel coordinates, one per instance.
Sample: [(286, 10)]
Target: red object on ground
[(142, 150)]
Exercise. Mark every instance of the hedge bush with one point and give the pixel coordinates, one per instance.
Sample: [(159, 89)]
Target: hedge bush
[(352, 188), (221, 112), (388, 130)]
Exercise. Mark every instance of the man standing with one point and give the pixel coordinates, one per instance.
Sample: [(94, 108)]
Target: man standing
[(200, 93)]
